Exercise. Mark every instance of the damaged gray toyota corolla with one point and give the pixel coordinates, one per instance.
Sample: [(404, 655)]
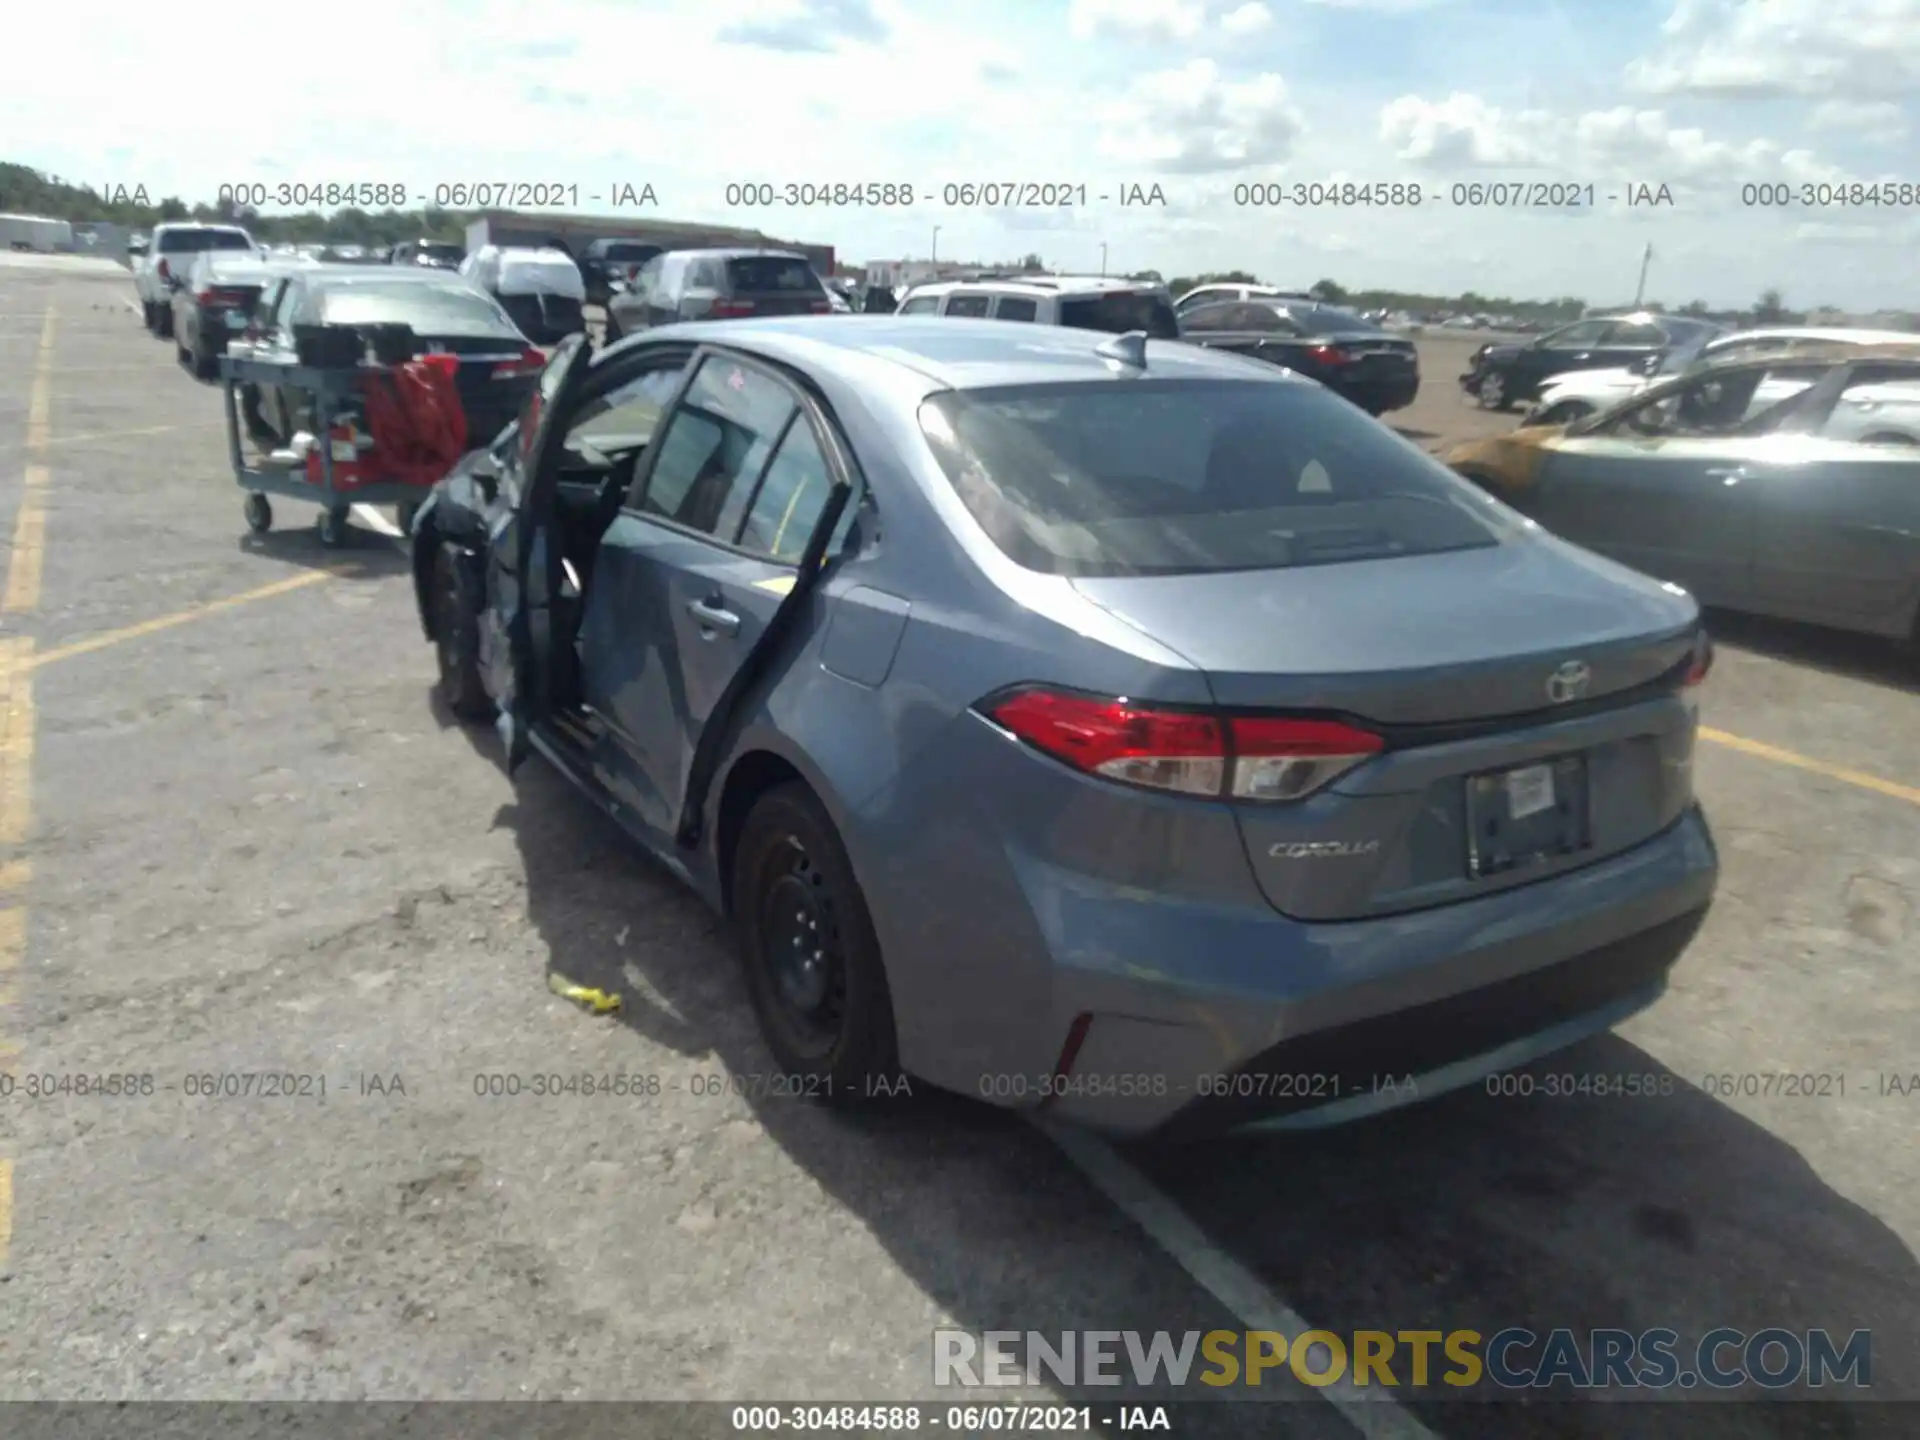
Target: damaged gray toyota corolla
[(1082, 721)]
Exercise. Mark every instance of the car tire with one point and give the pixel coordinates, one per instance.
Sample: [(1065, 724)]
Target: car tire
[(1492, 392), (813, 967), (205, 367), (147, 317), (183, 355), (456, 638), (165, 332)]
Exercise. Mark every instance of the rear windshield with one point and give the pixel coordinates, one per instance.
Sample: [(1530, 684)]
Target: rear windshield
[(758, 274), (1330, 320), (1147, 477), (429, 309), (1121, 311), (630, 252), (178, 242)]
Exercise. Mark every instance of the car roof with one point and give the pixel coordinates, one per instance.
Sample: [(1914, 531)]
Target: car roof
[(978, 355), (1838, 334), (1038, 285), (736, 252)]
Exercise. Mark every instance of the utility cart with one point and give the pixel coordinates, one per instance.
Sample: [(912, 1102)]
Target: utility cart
[(341, 470)]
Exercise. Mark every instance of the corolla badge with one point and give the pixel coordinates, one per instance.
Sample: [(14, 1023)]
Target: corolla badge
[(1322, 849), (1569, 682)]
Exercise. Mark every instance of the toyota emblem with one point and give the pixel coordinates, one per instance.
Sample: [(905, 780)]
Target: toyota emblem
[(1569, 682)]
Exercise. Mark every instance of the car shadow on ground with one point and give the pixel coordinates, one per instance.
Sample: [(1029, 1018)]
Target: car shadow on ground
[(1470, 1211), (1838, 652)]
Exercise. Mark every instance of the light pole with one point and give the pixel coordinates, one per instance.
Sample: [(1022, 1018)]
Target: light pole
[(1646, 259), (1103, 257), (933, 257)]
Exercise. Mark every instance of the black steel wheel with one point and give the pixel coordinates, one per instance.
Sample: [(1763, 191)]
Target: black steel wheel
[(259, 513), (813, 963), (1492, 391), (164, 329), (456, 639)]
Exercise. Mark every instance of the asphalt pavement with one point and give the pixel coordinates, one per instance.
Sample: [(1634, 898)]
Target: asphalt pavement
[(243, 851)]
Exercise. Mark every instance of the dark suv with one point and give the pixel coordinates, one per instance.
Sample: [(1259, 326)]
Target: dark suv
[(606, 261), (716, 285)]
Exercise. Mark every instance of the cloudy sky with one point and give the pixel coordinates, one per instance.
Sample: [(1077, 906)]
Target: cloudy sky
[(1197, 96)]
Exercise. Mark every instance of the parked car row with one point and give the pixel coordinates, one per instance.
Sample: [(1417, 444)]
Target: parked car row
[(1352, 356)]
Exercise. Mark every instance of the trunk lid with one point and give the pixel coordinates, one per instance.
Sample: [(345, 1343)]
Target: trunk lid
[(1452, 658), (489, 399), (1383, 357)]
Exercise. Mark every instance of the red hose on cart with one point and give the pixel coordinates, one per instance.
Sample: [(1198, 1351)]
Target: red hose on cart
[(417, 424)]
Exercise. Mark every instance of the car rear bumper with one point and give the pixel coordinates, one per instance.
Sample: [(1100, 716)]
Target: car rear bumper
[(1378, 397), (1107, 959), (1458, 993)]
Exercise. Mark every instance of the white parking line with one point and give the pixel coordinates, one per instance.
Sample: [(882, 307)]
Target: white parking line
[(1373, 1412)]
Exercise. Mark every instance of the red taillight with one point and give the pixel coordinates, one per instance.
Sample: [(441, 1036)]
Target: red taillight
[(217, 297), (1330, 355), (162, 270), (1702, 661), (1192, 752), (731, 309), (531, 362), (821, 307)]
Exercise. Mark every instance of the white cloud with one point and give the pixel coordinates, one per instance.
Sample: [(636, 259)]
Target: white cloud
[(1388, 7), (1859, 49), (1464, 130), (1621, 144), (1246, 19), (1139, 19), (1190, 121), (1878, 121)]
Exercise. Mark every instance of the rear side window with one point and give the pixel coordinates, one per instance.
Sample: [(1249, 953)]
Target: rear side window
[(1120, 311), (715, 446), (921, 305), (763, 274), (1149, 477), (968, 306), (1014, 307), (791, 497)]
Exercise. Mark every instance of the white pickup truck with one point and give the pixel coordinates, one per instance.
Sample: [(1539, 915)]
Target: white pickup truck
[(163, 269)]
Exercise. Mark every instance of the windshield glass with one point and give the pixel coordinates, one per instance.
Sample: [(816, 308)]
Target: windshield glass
[(430, 309), (1168, 477), (182, 242), (1121, 311)]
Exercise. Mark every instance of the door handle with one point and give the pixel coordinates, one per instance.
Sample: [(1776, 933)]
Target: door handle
[(712, 617)]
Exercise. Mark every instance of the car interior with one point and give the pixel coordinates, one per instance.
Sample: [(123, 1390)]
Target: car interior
[(722, 436), (1721, 405)]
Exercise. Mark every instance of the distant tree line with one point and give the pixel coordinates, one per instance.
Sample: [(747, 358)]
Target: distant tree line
[(25, 191)]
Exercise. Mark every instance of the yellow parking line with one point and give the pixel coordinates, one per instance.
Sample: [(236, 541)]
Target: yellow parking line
[(16, 712), (29, 542), (168, 622), (1845, 776), (87, 436), (16, 741)]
